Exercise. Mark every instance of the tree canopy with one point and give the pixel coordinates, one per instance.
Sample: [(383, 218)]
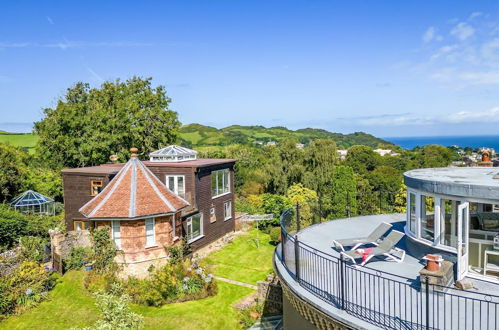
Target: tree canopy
[(90, 124)]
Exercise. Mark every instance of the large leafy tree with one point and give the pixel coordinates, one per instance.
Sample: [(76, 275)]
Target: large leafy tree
[(89, 124), (344, 200), (434, 156), (13, 171), (362, 159)]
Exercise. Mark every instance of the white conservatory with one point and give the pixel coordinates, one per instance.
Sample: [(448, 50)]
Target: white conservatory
[(456, 212)]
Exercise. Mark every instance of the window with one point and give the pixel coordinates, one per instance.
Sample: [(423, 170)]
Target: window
[(95, 187), (428, 218), (150, 237), (448, 222), (116, 233), (213, 216), (220, 182), (227, 210), (412, 212), (176, 183), (79, 225), (194, 227)]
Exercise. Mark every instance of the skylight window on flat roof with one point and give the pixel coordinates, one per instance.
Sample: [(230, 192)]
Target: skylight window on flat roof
[(173, 154)]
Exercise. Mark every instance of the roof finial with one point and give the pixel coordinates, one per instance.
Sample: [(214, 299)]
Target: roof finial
[(134, 152)]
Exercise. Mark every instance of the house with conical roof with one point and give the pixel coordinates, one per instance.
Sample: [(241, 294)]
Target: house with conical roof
[(152, 204)]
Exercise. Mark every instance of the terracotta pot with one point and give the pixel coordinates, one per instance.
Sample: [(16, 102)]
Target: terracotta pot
[(433, 262)]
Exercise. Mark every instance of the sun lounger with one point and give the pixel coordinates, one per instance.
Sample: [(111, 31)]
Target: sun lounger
[(385, 248), (373, 238)]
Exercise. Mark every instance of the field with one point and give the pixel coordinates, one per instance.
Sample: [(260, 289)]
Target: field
[(71, 306), (27, 140)]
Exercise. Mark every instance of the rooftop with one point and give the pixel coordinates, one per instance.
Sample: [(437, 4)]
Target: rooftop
[(478, 182), (114, 168), (135, 192)]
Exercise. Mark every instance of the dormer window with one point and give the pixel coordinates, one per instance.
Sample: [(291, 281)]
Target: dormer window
[(95, 187)]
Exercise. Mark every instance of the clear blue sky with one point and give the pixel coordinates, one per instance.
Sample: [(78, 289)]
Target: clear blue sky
[(391, 68)]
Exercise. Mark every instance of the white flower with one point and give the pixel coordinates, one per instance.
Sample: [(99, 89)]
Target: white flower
[(186, 278), (199, 270)]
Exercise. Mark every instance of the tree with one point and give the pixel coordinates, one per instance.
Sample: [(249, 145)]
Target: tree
[(275, 204), (343, 199), (13, 171), (367, 199), (320, 159), (307, 201), (90, 124), (386, 181), (434, 156), (362, 159), (285, 166)]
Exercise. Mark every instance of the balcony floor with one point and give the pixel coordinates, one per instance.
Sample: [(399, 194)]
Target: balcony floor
[(321, 236)]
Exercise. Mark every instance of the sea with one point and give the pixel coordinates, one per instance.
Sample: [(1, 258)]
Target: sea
[(489, 141)]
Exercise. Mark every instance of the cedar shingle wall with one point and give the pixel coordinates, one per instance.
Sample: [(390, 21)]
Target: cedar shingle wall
[(217, 229), (77, 193)]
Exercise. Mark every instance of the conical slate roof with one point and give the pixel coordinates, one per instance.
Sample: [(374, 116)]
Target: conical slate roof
[(135, 192)]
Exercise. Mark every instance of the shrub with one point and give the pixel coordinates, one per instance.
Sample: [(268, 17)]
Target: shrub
[(77, 258), (95, 282), (33, 248), (275, 235), (115, 311), (103, 251), (27, 286), (249, 315), (174, 282)]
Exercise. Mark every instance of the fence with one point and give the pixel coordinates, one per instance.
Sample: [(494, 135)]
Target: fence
[(383, 299)]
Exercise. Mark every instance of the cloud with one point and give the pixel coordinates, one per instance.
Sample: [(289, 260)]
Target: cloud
[(411, 119), (462, 31), (51, 22), (431, 35), (487, 116), (474, 15)]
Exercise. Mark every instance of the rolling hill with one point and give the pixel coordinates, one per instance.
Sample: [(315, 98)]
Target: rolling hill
[(197, 135)]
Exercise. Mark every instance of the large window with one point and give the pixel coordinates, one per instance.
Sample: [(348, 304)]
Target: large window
[(227, 210), (428, 217), (220, 182), (176, 183), (194, 227), (150, 237), (411, 208), (116, 233), (448, 222)]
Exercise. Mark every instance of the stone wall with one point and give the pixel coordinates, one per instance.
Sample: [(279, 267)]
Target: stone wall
[(270, 293)]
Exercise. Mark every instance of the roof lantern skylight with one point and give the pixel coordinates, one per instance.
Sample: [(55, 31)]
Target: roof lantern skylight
[(173, 153), (33, 202)]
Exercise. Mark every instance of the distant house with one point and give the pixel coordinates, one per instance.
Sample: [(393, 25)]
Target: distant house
[(300, 145), (342, 153), (271, 143), (383, 152), (151, 204)]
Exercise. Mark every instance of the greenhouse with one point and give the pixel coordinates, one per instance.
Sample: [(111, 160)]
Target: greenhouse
[(34, 203)]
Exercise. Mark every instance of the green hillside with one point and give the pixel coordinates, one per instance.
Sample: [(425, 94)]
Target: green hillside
[(23, 140), (197, 135)]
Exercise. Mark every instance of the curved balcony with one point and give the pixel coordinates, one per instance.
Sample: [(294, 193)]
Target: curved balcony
[(332, 293)]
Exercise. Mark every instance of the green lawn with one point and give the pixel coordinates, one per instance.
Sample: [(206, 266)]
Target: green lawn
[(242, 260), (20, 140), (70, 305)]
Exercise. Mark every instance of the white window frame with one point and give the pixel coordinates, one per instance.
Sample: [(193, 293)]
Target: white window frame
[(175, 184), (153, 243), (229, 216), (189, 223), (217, 193), (117, 240)]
